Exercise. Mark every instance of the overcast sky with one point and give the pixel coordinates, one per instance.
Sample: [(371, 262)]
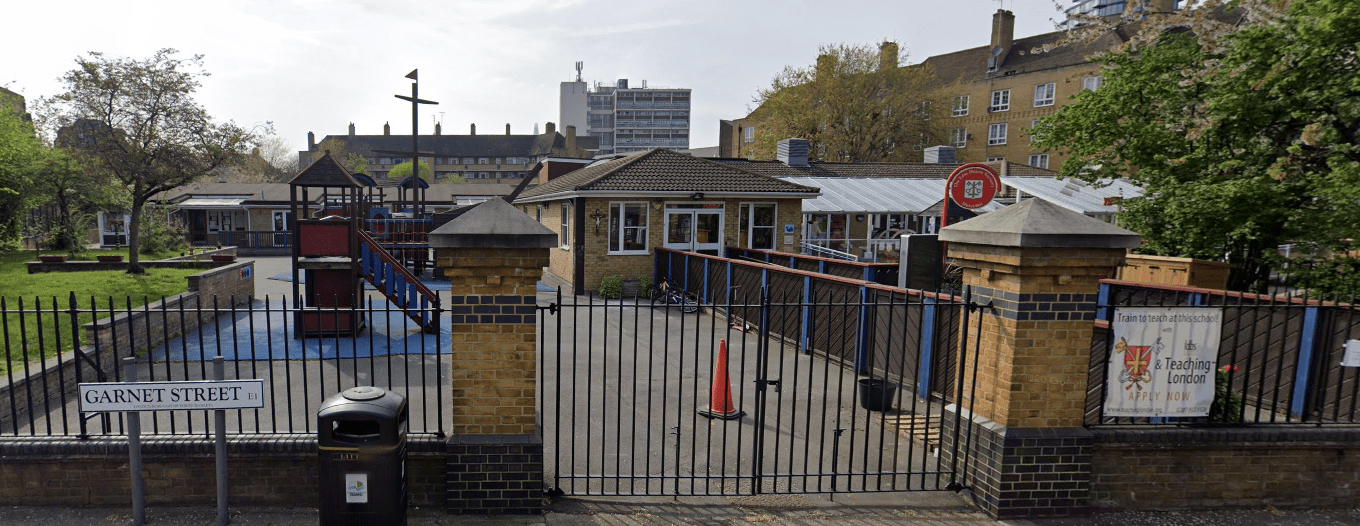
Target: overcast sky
[(317, 65)]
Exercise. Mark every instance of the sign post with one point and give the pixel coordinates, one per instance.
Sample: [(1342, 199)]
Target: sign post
[(132, 397)]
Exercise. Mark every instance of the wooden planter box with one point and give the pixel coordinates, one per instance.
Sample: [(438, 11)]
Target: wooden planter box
[(52, 259), (110, 258), (1184, 272)]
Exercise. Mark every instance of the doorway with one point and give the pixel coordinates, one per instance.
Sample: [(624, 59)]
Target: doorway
[(695, 227)]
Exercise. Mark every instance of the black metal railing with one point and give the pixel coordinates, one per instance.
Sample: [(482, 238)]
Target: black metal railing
[(1279, 360), (630, 388), (177, 339)]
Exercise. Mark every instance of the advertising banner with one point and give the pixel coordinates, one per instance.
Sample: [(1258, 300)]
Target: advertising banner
[(1162, 361)]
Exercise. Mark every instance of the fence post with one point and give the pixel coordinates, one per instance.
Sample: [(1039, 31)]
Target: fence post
[(1303, 370), (862, 365), (927, 347), (493, 256), (803, 344), (1034, 270), (705, 296)]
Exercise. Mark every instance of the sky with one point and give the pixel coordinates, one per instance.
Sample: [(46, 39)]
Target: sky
[(318, 65)]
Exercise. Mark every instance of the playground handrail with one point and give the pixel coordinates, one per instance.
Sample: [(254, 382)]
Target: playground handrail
[(387, 258)]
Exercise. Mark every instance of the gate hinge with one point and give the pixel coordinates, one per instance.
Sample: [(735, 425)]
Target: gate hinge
[(549, 491), (760, 384), (552, 308)]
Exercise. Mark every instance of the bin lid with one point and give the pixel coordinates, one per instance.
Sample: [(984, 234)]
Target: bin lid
[(362, 393)]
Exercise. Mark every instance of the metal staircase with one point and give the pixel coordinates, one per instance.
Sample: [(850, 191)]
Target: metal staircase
[(401, 287)]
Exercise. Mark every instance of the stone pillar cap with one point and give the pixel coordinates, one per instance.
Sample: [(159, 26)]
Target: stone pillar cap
[(493, 224), (1039, 223)]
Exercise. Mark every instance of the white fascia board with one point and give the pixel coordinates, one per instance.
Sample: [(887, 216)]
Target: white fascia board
[(634, 195)]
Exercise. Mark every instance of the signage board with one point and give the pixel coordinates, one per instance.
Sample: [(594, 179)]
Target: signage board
[(1163, 361), (171, 396), (973, 185)]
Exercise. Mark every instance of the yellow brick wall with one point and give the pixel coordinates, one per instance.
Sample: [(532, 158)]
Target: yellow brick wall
[(492, 365), (1031, 373)]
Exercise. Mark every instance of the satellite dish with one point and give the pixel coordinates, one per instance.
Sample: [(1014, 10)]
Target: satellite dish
[(996, 51)]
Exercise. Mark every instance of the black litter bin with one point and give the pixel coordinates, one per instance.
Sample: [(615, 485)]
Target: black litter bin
[(362, 438), (876, 394)]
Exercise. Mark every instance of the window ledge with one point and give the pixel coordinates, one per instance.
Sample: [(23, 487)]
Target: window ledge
[(629, 253)]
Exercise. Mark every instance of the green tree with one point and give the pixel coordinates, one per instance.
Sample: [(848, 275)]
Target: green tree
[(855, 104), (1245, 139), (21, 155), (403, 170), (76, 192), (143, 127), (339, 149)]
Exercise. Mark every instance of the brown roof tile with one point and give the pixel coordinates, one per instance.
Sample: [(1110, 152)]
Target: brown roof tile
[(661, 170)]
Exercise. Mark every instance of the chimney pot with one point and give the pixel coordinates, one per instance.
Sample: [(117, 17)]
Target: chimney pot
[(507, 128), (571, 139), (1003, 34), (387, 128), (311, 141), (887, 56), (474, 129), (550, 128), (438, 130), (351, 129), (793, 152)]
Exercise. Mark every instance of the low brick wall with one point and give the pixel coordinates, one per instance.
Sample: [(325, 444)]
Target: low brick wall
[(30, 388), (1183, 468), (263, 470), (200, 260)]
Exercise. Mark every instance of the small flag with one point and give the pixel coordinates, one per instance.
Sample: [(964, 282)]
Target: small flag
[(412, 74)]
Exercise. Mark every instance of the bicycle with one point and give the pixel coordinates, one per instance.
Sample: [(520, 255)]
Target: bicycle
[(665, 293)]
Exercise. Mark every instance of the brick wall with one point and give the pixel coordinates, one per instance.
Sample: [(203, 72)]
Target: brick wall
[(1252, 467), (264, 470)]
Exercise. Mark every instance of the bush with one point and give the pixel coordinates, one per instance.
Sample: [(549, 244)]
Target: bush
[(644, 285), (162, 235), (611, 287), (1227, 404), (70, 235)]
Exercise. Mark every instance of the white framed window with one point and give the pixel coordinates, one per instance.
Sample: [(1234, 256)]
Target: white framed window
[(996, 134), (995, 159), (565, 235), (1001, 100), (1033, 130), (1039, 160), (628, 228), (749, 135), (959, 137), (483, 160), (757, 225), (1043, 94), (1093, 82), (960, 106)]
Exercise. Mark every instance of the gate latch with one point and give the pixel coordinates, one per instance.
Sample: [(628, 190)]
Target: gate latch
[(760, 384)]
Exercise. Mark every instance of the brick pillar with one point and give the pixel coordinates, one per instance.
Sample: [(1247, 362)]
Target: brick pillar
[(493, 256), (1039, 267)]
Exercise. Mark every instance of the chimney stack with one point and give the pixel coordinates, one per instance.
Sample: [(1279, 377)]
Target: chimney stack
[(1003, 36), (793, 152), (887, 56), (571, 139), (387, 128), (351, 130), (550, 128), (311, 141), (507, 128), (438, 130), (474, 129)]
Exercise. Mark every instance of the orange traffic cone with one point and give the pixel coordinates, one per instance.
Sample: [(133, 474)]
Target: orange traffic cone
[(720, 399)]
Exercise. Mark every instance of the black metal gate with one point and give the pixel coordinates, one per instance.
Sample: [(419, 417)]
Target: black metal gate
[(839, 394)]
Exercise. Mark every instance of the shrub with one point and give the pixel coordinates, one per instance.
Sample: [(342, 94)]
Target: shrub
[(1227, 404), (162, 235), (644, 285), (611, 287)]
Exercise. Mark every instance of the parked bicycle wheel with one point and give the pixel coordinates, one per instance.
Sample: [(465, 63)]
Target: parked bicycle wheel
[(689, 303)]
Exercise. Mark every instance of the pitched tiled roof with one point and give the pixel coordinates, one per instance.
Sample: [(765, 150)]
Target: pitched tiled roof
[(893, 170), (661, 170)]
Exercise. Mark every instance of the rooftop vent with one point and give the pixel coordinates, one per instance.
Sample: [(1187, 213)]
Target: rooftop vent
[(940, 155), (793, 152)]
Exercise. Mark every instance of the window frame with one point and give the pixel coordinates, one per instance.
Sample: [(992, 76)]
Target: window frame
[(1097, 80), (995, 139), (612, 236), (564, 237), (1052, 90), (960, 106), (749, 134), (1001, 100), (746, 224), (959, 137), (1040, 157)]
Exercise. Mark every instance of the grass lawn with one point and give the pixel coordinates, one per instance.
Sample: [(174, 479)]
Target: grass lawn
[(34, 337)]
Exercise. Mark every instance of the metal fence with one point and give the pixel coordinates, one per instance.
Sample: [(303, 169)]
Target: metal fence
[(630, 387), (177, 340), (1284, 356)]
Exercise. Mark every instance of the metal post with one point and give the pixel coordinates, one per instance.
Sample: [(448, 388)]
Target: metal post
[(134, 427), (220, 425)]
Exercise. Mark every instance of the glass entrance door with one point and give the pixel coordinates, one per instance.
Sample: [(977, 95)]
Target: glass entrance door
[(693, 228)]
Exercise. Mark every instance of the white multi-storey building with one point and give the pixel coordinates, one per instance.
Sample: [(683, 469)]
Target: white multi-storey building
[(627, 120)]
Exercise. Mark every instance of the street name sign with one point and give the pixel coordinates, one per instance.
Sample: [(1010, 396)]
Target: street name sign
[(171, 396)]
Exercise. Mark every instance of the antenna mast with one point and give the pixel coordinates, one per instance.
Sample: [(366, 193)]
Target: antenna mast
[(579, 65)]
